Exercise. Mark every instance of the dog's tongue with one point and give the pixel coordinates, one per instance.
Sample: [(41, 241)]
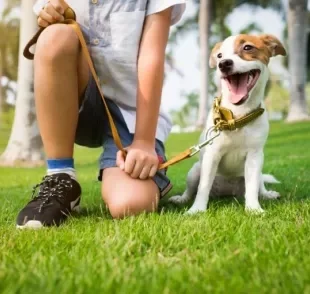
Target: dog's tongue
[(238, 87)]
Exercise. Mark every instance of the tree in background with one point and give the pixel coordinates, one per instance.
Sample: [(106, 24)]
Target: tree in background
[(308, 49), (297, 16), (25, 145), (187, 114), (9, 32), (204, 36)]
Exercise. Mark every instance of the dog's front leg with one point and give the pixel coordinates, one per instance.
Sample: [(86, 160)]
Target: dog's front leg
[(209, 166), (192, 183), (252, 173)]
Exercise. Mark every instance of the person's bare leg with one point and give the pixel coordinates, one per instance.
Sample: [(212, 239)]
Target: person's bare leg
[(130, 196), (61, 75)]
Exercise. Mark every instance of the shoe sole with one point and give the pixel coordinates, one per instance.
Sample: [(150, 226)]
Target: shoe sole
[(32, 224), (36, 225)]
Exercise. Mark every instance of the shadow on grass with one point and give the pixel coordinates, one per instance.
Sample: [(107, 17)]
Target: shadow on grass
[(94, 210), (218, 203), (229, 201)]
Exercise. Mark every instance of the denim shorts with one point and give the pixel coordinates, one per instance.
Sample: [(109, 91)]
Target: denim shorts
[(94, 131)]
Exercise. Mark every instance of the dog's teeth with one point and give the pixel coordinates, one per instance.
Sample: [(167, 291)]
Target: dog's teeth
[(250, 78)]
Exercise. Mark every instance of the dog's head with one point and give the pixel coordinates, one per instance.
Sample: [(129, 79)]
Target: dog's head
[(242, 65)]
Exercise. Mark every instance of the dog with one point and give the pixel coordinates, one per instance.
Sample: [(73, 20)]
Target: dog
[(233, 163)]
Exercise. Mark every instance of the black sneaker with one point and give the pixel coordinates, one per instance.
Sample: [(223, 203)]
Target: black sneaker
[(57, 197)]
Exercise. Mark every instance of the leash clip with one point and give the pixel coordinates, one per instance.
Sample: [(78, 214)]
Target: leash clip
[(196, 148)]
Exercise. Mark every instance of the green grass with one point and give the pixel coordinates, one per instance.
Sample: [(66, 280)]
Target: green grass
[(223, 250)]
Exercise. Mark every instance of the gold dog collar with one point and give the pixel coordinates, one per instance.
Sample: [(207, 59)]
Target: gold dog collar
[(223, 118)]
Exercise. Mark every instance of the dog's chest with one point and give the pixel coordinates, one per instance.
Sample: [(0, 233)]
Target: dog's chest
[(233, 148), (232, 163)]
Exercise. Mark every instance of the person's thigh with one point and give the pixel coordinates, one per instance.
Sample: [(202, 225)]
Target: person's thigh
[(125, 196)]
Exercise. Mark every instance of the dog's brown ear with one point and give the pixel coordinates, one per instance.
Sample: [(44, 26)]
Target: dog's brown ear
[(274, 45), (214, 52)]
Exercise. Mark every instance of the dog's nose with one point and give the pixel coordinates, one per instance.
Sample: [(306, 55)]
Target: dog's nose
[(226, 65)]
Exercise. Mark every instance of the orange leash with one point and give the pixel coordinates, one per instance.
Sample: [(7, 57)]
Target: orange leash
[(70, 20)]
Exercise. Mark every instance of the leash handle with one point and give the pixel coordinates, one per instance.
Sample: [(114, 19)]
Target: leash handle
[(32, 42), (68, 14)]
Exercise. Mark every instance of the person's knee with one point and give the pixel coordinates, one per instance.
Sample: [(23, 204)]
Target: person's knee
[(122, 207), (57, 42), (123, 202)]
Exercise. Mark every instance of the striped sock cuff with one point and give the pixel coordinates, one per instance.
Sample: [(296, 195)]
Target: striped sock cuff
[(60, 163)]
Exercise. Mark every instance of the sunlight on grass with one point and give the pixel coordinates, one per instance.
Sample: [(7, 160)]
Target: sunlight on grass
[(223, 250)]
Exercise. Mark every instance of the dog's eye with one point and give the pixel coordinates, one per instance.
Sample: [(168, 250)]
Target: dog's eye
[(248, 47), (219, 55)]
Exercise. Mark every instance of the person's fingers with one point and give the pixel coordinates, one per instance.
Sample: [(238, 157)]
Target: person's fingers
[(55, 11), (59, 5), (145, 172), (42, 23), (45, 16), (120, 160), (138, 169), (130, 162), (153, 171), (141, 162)]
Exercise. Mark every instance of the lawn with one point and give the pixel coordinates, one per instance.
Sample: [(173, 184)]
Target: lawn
[(223, 250)]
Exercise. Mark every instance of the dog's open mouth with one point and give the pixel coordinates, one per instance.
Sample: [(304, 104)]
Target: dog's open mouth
[(240, 84)]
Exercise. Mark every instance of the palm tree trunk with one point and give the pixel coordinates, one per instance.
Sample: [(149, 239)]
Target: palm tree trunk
[(25, 145), (204, 32), (1, 94), (297, 37)]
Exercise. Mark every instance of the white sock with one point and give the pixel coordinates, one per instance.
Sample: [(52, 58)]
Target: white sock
[(67, 170)]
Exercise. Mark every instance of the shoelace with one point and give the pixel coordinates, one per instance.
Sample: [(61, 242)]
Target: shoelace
[(52, 186)]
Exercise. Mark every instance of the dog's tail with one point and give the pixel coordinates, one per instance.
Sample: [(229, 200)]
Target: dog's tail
[(270, 179)]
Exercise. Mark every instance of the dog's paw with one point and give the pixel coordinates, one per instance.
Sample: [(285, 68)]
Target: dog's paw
[(193, 210), (270, 195), (177, 199), (254, 209)]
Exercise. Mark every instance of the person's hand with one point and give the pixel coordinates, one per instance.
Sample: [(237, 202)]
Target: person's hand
[(52, 12), (141, 160)]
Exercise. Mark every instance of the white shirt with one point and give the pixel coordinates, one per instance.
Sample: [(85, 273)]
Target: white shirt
[(115, 28)]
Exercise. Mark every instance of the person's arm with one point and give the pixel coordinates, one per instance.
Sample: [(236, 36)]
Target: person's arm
[(141, 161), (151, 64)]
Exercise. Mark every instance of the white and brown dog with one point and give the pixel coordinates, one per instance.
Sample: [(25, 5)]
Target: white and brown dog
[(233, 163)]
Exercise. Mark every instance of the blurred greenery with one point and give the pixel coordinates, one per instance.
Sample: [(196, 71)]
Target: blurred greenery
[(9, 46), (277, 98)]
